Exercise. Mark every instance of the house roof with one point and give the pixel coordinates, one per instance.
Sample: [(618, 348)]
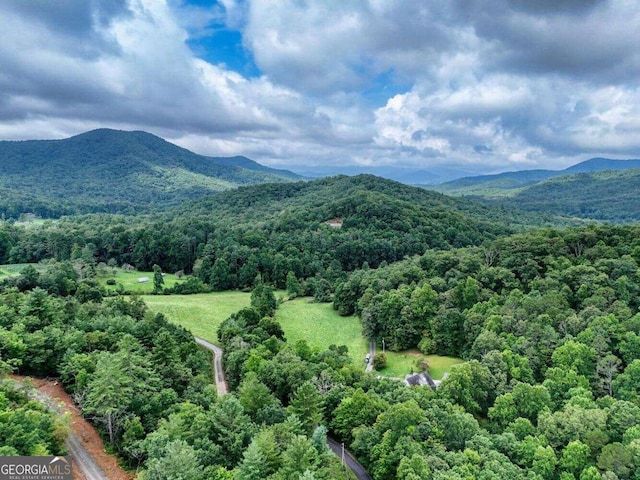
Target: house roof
[(422, 378)]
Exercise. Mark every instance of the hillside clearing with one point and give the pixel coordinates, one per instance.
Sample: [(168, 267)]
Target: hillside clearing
[(301, 319), (130, 281), (317, 323)]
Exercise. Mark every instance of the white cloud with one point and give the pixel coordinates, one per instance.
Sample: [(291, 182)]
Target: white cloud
[(503, 84)]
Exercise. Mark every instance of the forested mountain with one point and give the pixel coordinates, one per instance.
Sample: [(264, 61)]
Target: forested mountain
[(502, 184), (114, 171), (601, 164), (314, 229)]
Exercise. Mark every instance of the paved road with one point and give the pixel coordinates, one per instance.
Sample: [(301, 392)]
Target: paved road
[(221, 383), (349, 460)]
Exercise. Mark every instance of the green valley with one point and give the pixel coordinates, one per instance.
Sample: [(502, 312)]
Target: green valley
[(536, 323)]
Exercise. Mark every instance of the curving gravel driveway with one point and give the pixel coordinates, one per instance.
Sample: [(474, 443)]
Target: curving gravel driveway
[(218, 372)]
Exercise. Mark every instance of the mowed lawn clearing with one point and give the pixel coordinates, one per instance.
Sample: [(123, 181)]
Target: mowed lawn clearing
[(400, 364), (320, 325), (202, 313), (317, 323), (131, 280)]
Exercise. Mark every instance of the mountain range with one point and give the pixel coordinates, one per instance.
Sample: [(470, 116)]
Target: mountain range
[(495, 185), (115, 171)]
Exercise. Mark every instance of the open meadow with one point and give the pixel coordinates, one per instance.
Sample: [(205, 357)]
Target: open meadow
[(201, 313), (11, 269), (125, 281), (320, 325), (301, 319), (317, 323)]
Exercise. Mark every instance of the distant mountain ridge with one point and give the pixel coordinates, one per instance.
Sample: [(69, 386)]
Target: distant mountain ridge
[(115, 171), (408, 175), (599, 164), (609, 195), (597, 189), (509, 180)]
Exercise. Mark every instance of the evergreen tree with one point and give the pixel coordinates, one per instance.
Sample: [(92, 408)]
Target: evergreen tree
[(179, 462), (254, 465), (158, 279), (307, 405), (294, 289)]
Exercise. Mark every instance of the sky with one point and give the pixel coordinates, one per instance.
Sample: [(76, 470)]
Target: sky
[(479, 85)]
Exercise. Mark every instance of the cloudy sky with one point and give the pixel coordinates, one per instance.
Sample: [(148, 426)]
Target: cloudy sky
[(481, 85)]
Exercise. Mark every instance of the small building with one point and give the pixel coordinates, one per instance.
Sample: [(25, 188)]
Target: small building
[(422, 378), (334, 223), (143, 279)]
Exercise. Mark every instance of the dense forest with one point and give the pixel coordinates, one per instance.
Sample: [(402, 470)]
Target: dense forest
[(27, 428), (546, 319), (610, 196), (229, 238), (147, 385)]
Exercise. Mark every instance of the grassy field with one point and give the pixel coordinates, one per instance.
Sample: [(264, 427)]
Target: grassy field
[(320, 325), (14, 269), (128, 279), (202, 313), (317, 323), (401, 363)]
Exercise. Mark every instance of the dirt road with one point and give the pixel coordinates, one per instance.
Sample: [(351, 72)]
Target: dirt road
[(90, 469), (88, 455)]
